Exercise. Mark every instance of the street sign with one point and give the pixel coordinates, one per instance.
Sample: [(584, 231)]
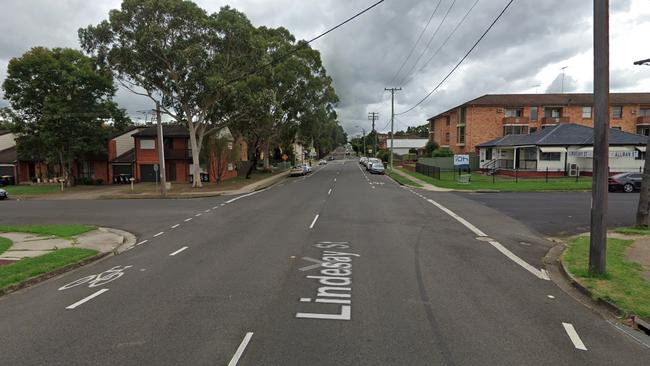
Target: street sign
[(155, 167), (460, 160)]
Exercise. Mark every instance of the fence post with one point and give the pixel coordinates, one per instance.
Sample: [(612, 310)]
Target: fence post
[(546, 174), (516, 175), (577, 174), (494, 173)]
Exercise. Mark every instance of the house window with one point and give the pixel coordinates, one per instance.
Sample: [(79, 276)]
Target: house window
[(644, 112), (448, 121), (640, 156), (533, 113), (447, 138), (86, 169), (460, 134), (461, 115), (586, 112), (488, 153), (515, 130), (514, 112), (553, 112), (550, 156), (617, 112), (643, 130), (147, 144)]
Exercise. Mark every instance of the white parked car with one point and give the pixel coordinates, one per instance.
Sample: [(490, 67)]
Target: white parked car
[(372, 161), (322, 162)]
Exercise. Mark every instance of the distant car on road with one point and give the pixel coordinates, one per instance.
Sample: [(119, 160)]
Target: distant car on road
[(322, 162), (3, 194), (298, 170), (332, 158), (376, 168), (626, 182)]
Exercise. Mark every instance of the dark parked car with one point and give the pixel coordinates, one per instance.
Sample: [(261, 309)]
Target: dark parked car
[(626, 182)]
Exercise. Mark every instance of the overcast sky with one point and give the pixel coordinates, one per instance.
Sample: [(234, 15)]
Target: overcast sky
[(523, 53)]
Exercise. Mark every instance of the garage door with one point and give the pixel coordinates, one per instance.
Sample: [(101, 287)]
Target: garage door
[(125, 169), (147, 174), (7, 170)]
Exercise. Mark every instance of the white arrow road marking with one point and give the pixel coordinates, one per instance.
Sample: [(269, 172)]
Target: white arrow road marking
[(178, 251), (240, 350), (85, 299), (575, 338), (539, 273), (311, 266)]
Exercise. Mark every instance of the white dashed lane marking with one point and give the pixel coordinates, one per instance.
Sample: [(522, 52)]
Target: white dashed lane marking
[(176, 252), (159, 234), (86, 299), (175, 226)]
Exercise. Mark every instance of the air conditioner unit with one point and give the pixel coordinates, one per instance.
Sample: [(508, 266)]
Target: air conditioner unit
[(574, 170)]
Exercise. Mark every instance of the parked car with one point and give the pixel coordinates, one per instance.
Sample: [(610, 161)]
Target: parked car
[(322, 162), (298, 170), (626, 182), (332, 157), (377, 168), (3, 194), (372, 161), (307, 168), (363, 160)]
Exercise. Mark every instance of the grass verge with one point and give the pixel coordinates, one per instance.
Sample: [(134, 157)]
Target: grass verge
[(32, 190), (26, 268), (62, 231), (631, 230), (479, 181), (5, 244), (622, 285), (401, 179)]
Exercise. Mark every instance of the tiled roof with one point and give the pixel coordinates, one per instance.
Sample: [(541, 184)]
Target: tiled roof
[(526, 100), (566, 134)]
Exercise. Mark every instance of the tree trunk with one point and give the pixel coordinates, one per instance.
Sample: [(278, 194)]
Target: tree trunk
[(642, 212), (267, 165), (196, 167)]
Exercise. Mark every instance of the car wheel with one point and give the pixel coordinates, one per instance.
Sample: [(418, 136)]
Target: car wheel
[(628, 188)]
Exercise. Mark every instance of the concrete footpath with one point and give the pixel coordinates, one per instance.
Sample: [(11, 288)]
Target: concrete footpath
[(103, 240), (425, 185)]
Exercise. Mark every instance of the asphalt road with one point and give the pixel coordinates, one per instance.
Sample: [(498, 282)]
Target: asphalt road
[(338, 268), (559, 213)]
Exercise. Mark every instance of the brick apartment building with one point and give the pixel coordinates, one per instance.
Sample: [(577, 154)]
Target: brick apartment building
[(496, 115)]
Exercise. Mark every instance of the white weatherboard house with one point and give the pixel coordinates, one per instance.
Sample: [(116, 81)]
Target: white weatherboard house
[(564, 149), (402, 146)]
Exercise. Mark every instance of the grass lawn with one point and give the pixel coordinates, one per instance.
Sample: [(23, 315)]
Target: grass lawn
[(5, 244), (177, 188), (400, 179), (622, 285), (63, 231), (479, 181), (631, 230), (27, 268), (32, 190)]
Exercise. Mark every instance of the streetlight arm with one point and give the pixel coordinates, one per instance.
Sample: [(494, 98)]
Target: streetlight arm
[(642, 62)]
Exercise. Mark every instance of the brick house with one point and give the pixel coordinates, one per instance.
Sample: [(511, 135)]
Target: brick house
[(178, 155), (496, 115)]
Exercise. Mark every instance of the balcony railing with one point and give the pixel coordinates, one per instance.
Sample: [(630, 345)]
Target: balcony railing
[(178, 154), (516, 120), (554, 120), (643, 120)]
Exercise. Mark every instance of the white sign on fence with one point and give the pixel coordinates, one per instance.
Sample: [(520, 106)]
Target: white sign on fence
[(461, 160)]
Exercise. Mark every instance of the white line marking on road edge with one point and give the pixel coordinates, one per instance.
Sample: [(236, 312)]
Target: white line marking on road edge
[(178, 251), (159, 234), (85, 299), (575, 338), (329, 192), (550, 296), (215, 207), (240, 350), (142, 242), (335, 179), (245, 195), (313, 222), (188, 219), (208, 210), (451, 213), (175, 226)]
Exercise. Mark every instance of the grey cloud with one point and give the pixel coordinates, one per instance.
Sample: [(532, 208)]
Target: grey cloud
[(570, 84)]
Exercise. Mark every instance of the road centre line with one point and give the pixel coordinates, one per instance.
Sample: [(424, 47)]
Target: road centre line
[(175, 226), (314, 222), (208, 210), (240, 349), (178, 251), (86, 299), (215, 207), (188, 219), (159, 234), (539, 273), (198, 214), (329, 192), (573, 335), (142, 242)]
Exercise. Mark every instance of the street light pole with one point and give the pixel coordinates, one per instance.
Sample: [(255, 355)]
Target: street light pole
[(392, 121), (374, 116), (161, 153), (643, 209), (600, 173)]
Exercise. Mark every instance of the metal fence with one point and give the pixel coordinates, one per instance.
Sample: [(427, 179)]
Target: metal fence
[(428, 170)]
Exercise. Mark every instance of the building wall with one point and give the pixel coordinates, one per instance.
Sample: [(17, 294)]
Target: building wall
[(124, 143), (7, 140), (486, 123)]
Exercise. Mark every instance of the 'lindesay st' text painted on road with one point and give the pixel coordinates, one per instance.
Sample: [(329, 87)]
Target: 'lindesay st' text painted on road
[(335, 291)]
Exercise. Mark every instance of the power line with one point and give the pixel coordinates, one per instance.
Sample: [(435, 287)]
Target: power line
[(416, 42), (448, 37), (424, 50), (303, 44), (461, 60)]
